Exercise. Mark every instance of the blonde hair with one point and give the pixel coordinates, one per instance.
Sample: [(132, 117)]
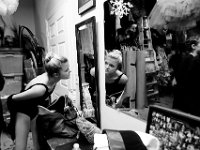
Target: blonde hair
[(115, 54), (53, 63)]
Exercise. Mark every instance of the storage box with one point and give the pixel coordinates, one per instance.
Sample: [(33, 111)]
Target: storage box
[(13, 84), (11, 63)]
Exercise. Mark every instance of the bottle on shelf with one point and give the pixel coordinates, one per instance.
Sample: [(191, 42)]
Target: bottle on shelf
[(88, 109), (76, 146)]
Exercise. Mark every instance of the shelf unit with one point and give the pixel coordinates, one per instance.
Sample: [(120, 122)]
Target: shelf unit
[(11, 65), (152, 93)]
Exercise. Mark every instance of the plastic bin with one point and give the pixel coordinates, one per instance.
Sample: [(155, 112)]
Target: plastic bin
[(13, 84), (11, 64)]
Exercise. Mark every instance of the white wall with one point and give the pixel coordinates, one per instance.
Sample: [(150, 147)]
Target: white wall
[(110, 118), (25, 14), (48, 9)]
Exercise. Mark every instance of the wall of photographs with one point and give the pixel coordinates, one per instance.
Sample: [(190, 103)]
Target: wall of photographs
[(174, 133)]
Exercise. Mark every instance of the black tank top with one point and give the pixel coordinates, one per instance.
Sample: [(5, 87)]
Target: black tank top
[(115, 88), (47, 92), (40, 100)]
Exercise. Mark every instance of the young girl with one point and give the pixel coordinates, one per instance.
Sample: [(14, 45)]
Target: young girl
[(23, 106), (114, 78)]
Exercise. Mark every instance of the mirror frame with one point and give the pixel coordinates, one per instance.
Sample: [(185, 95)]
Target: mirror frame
[(163, 93), (112, 22), (92, 21)]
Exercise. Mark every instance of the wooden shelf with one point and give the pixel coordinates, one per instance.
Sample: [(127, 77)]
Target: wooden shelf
[(153, 94), (10, 50), (151, 73), (151, 83), (150, 68), (148, 60)]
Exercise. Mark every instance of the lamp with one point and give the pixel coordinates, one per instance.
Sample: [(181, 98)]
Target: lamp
[(8, 7)]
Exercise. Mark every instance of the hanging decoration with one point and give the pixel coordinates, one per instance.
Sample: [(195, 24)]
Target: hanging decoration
[(8, 7), (176, 14), (120, 8)]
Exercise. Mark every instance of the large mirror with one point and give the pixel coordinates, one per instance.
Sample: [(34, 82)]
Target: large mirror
[(124, 65), (153, 41), (87, 60)]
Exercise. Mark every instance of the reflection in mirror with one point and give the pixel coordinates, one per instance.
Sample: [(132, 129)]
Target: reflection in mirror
[(87, 59), (122, 34), (176, 43), (115, 79), (157, 53)]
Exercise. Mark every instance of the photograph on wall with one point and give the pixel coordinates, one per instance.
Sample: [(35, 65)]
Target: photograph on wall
[(174, 134), (85, 5)]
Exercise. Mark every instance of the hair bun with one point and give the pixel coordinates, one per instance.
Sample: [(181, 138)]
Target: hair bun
[(48, 57), (116, 51)]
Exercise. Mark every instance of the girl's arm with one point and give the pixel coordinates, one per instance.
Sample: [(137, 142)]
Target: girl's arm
[(92, 71), (33, 92), (2, 81), (124, 79)]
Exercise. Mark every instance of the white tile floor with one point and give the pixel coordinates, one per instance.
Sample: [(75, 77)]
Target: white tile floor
[(7, 143)]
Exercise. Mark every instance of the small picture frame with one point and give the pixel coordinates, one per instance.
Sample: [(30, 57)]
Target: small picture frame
[(167, 124), (85, 5)]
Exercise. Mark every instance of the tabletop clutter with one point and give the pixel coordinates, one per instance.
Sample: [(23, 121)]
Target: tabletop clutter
[(111, 140)]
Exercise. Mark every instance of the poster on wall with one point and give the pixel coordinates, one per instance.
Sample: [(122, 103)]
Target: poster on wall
[(85, 5)]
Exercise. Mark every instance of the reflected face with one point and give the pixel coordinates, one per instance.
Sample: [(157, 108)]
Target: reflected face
[(132, 28), (198, 45), (111, 65), (65, 71)]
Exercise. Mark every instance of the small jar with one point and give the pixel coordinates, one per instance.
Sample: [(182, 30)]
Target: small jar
[(145, 22), (76, 146)]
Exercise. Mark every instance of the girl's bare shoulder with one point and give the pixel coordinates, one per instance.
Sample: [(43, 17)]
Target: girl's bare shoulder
[(124, 79)]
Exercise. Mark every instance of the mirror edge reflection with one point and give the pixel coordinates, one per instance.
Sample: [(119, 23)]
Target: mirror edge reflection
[(78, 27)]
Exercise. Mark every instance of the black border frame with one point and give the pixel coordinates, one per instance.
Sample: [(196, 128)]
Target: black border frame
[(179, 116), (86, 6), (87, 21)]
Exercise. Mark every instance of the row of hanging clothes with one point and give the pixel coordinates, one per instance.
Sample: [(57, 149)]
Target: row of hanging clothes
[(133, 66)]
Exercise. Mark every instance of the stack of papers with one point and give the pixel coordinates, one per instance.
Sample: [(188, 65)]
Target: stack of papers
[(100, 142)]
